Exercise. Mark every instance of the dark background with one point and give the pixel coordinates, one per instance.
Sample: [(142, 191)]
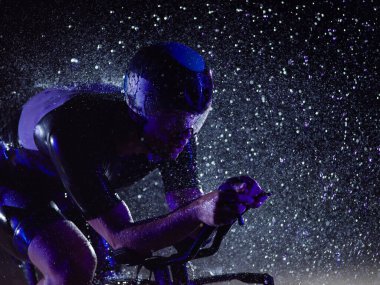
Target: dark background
[(296, 106)]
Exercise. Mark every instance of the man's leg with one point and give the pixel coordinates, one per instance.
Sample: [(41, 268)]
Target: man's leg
[(63, 255), (35, 231)]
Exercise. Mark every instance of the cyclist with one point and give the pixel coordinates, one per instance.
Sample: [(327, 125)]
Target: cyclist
[(88, 141)]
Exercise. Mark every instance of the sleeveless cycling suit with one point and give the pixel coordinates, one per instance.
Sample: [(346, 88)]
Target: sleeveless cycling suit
[(75, 158)]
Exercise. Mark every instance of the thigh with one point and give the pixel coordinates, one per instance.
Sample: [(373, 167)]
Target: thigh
[(21, 219), (61, 250), (26, 206)]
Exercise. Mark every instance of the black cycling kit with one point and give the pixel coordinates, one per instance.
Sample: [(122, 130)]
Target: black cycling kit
[(73, 152)]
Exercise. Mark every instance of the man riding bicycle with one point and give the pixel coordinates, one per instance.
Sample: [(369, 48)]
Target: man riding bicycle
[(88, 141)]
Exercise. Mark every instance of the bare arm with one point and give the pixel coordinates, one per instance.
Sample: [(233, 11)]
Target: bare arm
[(181, 197), (178, 198), (214, 209), (180, 178), (118, 229)]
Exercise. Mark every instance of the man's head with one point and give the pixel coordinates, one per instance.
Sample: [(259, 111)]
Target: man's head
[(169, 88)]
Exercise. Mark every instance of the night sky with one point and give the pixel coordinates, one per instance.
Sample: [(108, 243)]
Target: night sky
[(296, 106)]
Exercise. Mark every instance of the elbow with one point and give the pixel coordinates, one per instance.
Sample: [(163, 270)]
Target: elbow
[(116, 241), (114, 226), (120, 239), (129, 241), (112, 237), (113, 241)]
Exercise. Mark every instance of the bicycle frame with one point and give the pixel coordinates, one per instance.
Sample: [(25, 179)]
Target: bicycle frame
[(171, 270)]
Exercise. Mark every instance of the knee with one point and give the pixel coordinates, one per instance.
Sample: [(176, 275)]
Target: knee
[(75, 268)]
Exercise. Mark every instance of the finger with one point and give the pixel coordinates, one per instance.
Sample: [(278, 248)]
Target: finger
[(242, 184), (231, 185), (234, 180), (241, 209), (226, 215), (250, 185), (239, 187), (231, 197), (245, 199), (229, 181), (237, 209), (259, 201), (247, 180), (255, 190)]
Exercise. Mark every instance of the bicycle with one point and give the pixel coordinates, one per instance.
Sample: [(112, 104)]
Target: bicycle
[(167, 270)]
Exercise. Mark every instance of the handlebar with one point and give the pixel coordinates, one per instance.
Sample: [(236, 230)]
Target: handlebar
[(194, 251)]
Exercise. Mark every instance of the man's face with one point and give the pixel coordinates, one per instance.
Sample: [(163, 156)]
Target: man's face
[(166, 134)]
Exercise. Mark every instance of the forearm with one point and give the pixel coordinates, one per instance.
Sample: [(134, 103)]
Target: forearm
[(159, 232), (147, 235), (181, 197)]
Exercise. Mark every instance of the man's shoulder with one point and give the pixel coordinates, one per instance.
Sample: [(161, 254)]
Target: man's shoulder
[(53, 97), (89, 120), (82, 103)]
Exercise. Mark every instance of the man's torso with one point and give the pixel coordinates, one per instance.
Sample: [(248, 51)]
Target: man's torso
[(120, 171), (92, 122)]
